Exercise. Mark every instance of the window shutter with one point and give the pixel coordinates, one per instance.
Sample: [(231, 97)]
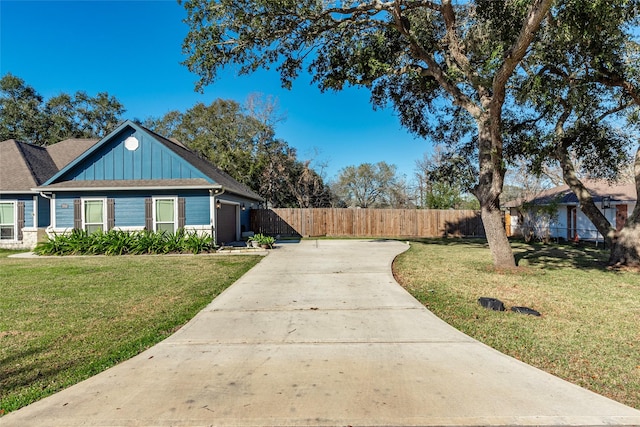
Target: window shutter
[(20, 219), (181, 212), (77, 214), (111, 213), (148, 214)]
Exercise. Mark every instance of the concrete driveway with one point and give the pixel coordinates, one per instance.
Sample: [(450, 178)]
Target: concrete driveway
[(320, 334)]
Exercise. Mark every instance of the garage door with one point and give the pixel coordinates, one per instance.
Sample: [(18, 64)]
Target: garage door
[(227, 224)]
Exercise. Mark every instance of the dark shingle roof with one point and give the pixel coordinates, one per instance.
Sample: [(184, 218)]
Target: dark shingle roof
[(23, 166), (206, 167), (597, 189)]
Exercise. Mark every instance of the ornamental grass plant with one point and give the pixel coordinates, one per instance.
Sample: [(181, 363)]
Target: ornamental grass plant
[(118, 242)]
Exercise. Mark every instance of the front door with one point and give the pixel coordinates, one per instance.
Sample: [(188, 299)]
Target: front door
[(226, 224), (621, 216)]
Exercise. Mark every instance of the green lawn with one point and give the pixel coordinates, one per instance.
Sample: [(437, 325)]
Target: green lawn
[(65, 319), (589, 332)]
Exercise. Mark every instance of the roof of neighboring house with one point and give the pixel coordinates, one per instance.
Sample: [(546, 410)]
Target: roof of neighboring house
[(597, 189), (64, 152), (23, 166)]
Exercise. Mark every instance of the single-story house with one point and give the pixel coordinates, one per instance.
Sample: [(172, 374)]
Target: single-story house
[(132, 179), (556, 213)]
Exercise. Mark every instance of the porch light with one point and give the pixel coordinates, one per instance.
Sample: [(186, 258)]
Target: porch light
[(243, 207), (218, 204), (606, 202)]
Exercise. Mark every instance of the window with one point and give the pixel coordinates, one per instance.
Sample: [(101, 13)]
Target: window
[(7, 221), (165, 214), (93, 211)]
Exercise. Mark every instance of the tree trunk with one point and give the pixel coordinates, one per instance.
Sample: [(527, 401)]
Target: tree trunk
[(497, 238), (491, 180), (625, 249), (588, 207)]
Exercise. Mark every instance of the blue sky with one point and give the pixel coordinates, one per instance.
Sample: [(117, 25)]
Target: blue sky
[(133, 50)]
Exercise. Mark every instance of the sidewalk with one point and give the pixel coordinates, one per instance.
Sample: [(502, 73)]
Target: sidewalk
[(320, 334)]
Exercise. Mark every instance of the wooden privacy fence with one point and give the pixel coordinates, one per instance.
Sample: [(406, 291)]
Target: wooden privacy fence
[(367, 222)]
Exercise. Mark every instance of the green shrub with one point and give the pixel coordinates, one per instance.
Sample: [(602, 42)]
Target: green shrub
[(117, 242), (263, 239)]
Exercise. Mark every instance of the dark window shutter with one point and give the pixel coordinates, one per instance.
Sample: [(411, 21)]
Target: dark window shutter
[(77, 214), (111, 213), (181, 212), (20, 219), (148, 214)]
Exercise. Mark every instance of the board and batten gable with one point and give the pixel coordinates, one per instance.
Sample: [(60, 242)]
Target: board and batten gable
[(117, 159)]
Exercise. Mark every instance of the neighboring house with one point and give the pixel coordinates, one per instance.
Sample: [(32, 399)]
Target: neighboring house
[(132, 179), (555, 213)]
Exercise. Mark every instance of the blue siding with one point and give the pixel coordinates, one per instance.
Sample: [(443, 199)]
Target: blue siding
[(129, 211), (130, 207), (152, 160), (64, 211), (197, 209), (29, 217)]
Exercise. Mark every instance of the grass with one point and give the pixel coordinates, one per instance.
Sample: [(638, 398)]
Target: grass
[(63, 320), (589, 331)]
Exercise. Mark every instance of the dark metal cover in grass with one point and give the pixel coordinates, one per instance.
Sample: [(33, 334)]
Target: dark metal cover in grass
[(491, 303), (525, 310)]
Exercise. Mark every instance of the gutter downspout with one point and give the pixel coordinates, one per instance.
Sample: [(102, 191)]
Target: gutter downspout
[(52, 212)]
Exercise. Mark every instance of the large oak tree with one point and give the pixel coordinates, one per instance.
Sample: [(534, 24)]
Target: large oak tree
[(27, 117), (425, 58), (580, 89)]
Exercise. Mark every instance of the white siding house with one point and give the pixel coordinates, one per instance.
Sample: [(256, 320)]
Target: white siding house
[(556, 214)]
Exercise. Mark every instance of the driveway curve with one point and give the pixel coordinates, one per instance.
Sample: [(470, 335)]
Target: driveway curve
[(320, 334)]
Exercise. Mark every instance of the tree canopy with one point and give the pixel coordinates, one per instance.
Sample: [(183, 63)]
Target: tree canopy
[(430, 60), (370, 185), (241, 140), (26, 116)]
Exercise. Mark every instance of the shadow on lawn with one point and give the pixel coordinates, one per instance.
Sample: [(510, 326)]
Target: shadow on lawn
[(552, 256), (558, 256)]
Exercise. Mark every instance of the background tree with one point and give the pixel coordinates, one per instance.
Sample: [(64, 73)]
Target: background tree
[(367, 185), (241, 140), (445, 179), (426, 58), (21, 117), (25, 116)]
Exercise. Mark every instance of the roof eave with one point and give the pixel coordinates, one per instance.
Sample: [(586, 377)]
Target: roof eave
[(29, 191), (135, 188)]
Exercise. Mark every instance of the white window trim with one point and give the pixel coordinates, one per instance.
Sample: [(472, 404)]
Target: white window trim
[(175, 211), (15, 220), (34, 214), (104, 211)]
